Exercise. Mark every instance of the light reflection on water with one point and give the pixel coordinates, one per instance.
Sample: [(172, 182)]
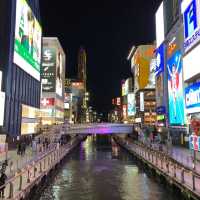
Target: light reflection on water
[(102, 172)]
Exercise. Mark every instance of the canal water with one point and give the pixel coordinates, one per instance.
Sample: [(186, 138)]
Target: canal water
[(100, 170)]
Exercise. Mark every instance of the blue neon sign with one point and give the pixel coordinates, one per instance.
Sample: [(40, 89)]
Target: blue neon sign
[(159, 60), (190, 19), (191, 26), (192, 98)]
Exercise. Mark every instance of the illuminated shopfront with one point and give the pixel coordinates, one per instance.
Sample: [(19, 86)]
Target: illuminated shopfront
[(30, 116)]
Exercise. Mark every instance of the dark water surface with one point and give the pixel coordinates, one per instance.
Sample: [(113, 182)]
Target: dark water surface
[(100, 170)]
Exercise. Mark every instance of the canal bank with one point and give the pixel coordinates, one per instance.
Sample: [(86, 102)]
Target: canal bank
[(99, 169), (176, 175), (25, 180)]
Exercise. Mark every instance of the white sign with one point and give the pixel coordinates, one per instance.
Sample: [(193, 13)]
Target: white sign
[(141, 101), (138, 120), (160, 26), (2, 106), (191, 64)]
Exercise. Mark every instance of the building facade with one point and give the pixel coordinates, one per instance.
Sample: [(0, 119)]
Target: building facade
[(53, 77), (20, 53)]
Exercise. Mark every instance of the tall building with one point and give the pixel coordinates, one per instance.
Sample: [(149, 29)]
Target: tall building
[(82, 62), (82, 76), (53, 77), (20, 59)]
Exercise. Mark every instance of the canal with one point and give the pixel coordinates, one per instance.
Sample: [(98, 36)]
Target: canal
[(100, 170)]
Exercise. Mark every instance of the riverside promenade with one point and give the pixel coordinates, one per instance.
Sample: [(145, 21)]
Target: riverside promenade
[(174, 172), (22, 178)]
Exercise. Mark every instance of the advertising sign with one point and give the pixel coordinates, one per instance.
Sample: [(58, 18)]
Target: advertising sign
[(47, 101), (191, 65), (118, 100), (48, 71), (124, 108), (59, 74), (123, 89), (160, 35), (175, 90), (126, 87), (2, 106), (192, 98), (194, 142), (141, 101), (131, 104), (27, 46), (160, 110), (159, 60), (190, 10), (159, 90)]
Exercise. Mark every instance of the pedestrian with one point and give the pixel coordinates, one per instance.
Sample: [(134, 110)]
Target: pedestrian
[(19, 149), (2, 184)]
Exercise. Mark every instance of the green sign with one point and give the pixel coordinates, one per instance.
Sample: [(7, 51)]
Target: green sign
[(28, 34)]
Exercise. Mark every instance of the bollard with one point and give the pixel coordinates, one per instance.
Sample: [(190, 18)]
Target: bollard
[(20, 182), (182, 175), (193, 181)]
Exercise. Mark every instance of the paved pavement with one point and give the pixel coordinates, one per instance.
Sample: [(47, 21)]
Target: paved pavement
[(181, 155), (16, 162)]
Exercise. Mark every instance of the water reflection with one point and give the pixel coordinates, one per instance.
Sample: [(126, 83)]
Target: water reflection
[(100, 170)]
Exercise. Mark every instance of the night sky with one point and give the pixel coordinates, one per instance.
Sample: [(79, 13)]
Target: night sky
[(107, 29)]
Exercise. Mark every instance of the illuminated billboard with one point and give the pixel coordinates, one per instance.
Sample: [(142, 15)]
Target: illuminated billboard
[(48, 70), (141, 101), (59, 74), (192, 98), (28, 34), (190, 10), (124, 111), (2, 107), (131, 104), (142, 59), (160, 35), (191, 65), (159, 60), (175, 90)]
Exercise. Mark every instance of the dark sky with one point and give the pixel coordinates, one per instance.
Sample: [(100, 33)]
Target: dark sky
[(107, 29)]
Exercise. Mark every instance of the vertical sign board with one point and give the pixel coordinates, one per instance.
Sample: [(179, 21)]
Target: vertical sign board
[(160, 35), (159, 60), (190, 10), (194, 142), (48, 71), (2, 105), (141, 101), (131, 104), (175, 89)]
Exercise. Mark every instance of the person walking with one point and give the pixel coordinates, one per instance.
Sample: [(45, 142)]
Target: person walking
[(2, 184)]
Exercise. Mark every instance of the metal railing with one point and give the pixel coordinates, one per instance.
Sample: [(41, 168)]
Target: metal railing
[(167, 166), (20, 184)]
